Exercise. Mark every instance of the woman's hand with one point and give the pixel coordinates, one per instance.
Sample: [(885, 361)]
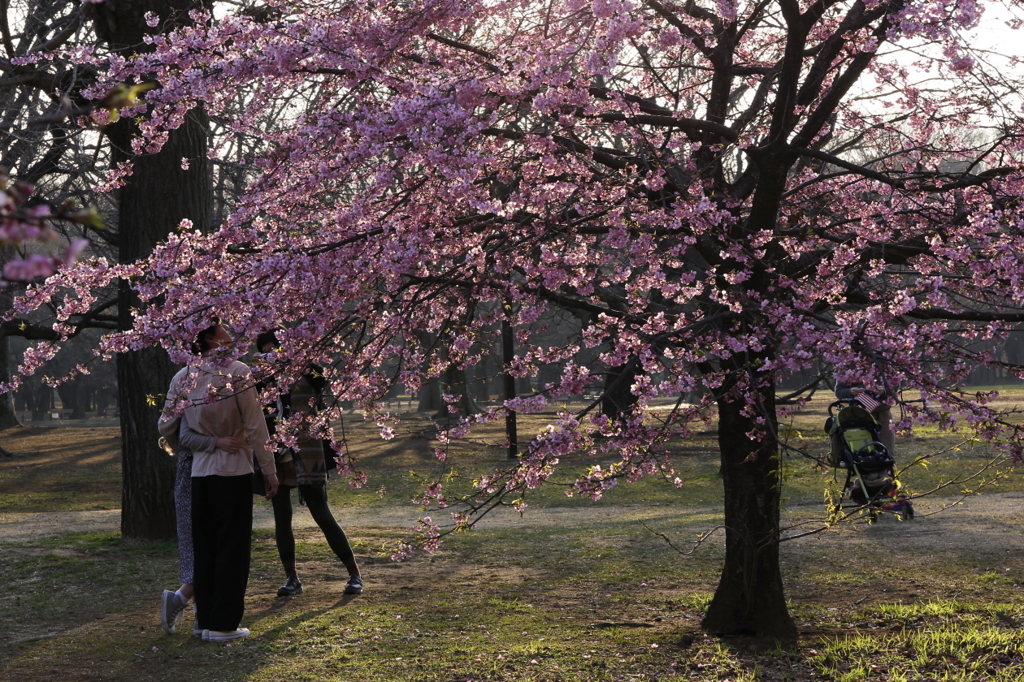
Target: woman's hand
[(270, 483), (229, 444)]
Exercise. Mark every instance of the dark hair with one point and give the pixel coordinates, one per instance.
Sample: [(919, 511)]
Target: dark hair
[(265, 338), (202, 344)]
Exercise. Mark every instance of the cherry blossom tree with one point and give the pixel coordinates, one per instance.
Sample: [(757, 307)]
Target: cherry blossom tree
[(723, 193)]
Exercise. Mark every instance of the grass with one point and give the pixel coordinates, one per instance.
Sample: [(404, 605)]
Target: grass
[(398, 470), (462, 615), (954, 652), (562, 595), (51, 476), (484, 624)]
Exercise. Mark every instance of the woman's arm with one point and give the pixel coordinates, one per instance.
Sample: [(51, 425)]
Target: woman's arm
[(169, 423), (255, 426), (195, 441)]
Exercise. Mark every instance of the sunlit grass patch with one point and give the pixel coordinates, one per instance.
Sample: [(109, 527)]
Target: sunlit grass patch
[(87, 498), (996, 578), (945, 611), (450, 636), (697, 601), (510, 604), (88, 541), (955, 653)]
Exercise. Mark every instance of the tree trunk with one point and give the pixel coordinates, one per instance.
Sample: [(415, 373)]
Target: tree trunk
[(508, 351), (477, 378), (71, 397), (147, 489), (39, 394), (8, 412), (749, 598), (430, 397), (8, 415), (103, 400), (157, 196), (457, 384), (618, 389)]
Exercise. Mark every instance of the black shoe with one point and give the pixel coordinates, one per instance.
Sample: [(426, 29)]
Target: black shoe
[(354, 585), (291, 587)]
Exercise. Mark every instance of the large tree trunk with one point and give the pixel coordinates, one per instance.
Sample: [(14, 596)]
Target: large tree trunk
[(508, 352), (39, 395), (430, 397), (618, 389), (8, 415), (749, 598), (155, 199), (72, 397), (159, 195), (456, 383)]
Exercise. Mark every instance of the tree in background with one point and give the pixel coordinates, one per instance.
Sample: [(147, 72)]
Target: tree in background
[(39, 145), (60, 134), (724, 193), (164, 187), (55, 135)]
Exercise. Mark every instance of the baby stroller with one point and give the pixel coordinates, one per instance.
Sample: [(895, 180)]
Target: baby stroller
[(870, 467)]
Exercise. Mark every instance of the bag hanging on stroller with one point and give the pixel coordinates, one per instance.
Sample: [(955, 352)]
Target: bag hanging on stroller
[(870, 467)]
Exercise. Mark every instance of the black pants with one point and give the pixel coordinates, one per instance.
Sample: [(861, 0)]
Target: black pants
[(316, 499), (222, 542)]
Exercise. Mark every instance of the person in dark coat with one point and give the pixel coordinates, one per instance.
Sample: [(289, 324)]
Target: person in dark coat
[(310, 477)]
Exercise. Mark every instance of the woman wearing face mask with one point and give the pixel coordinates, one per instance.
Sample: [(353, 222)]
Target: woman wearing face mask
[(310, 479), (224, 404)]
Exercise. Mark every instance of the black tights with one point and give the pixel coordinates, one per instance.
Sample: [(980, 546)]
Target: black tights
[(315, 497)]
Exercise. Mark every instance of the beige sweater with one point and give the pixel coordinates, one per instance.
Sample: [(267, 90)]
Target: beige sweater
[(223, 403)]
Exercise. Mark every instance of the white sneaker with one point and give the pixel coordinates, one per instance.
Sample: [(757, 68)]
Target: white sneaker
[(225, 636)]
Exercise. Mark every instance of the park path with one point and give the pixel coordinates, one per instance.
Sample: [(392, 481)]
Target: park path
[(22, 527), (990, 524)]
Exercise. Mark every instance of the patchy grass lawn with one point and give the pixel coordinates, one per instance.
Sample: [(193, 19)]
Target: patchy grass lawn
[(60, 469), (565, 594), (586, 602)]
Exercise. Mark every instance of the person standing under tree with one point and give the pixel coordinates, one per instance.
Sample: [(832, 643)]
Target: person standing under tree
[(172, 604), (310, 478), (222, 485), (186, 441)]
